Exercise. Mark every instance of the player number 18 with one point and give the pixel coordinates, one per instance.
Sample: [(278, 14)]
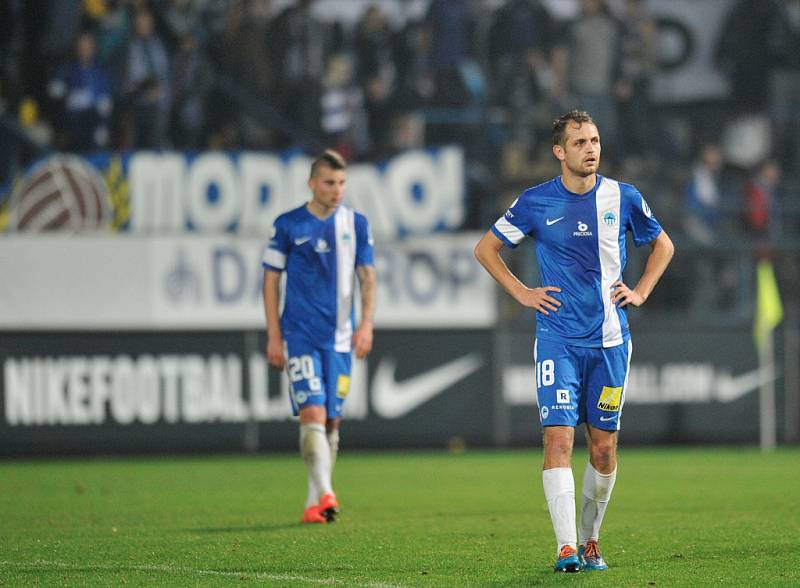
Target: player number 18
[(545, 373)]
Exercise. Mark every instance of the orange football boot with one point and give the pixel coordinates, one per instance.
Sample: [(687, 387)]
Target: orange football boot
[(329, 506), (313, 514)]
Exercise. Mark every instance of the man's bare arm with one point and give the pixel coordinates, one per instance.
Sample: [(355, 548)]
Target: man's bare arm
[(272, 281), (661, 254), (362, 338), (487, 252)]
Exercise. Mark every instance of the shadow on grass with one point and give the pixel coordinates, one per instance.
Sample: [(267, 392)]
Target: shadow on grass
[(247, 528), (533, 578)]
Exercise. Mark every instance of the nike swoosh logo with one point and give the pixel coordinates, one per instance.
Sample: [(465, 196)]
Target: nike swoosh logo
[(302, 240), (554, 221), (606, 419), (730, 388), (713, 384), (392, 399)]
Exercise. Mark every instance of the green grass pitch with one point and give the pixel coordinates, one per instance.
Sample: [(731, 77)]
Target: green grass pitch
[(678, 517)]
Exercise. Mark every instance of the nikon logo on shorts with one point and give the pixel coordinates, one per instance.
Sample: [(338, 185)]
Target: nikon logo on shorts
[(610, 399), (342, 386)]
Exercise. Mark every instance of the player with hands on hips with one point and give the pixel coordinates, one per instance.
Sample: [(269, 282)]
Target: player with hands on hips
[(580, 222)]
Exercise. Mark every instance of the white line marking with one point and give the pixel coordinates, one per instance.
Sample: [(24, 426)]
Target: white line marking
[(58, 565)]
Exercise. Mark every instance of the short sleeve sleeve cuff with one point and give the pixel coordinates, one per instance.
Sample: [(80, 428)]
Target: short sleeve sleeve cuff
[(507, 232), (273, 259)]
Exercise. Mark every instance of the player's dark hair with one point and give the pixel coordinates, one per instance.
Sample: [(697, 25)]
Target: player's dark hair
[(328, 158), (560, 124)]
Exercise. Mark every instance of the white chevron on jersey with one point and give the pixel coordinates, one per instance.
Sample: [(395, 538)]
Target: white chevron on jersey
[(345, 270), (608, 201)]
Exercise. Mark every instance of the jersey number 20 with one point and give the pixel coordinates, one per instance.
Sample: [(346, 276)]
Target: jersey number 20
[(302, 368)]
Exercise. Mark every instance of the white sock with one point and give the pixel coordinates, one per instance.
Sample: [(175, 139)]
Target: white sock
[(312, 498), (597, 489), (333, 441), (559, 491), (317, 457)]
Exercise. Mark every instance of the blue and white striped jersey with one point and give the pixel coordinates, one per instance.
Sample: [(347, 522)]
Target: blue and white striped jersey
[(319, 257), (580, 247)]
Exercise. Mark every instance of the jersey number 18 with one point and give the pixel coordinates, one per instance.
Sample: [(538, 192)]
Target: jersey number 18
[(545, 373)]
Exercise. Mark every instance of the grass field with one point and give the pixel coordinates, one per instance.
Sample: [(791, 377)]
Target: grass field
[(678, 517)]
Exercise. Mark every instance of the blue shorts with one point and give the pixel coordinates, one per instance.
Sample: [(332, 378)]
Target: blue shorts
[(581, 384), (317, 377)]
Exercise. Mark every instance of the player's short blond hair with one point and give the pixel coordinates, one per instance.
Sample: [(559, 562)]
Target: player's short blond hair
[(328, 158)]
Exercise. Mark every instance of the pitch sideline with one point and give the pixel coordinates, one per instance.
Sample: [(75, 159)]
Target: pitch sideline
[(58, 565)]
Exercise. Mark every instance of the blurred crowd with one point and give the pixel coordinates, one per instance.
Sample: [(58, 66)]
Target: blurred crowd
[(86, 75)]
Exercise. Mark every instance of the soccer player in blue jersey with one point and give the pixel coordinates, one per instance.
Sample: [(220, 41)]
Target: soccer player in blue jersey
[(321, 246), (580, 222)]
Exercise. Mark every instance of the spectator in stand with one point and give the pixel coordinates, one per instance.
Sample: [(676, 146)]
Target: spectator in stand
[(520, 41), (374, 46), (519, 50), (761, 191), (785, 87), (633, 88), (703, 195), (192, 83), (242, 53), (81, 99), (449, 26), (749, 52), (147, 86), (111, 26), (416, 85), (181, 18), (343, 119), (225, 52), (300, 43), (746, 51), (255, 51), (712, 276), (50, 30), (587, 64), (242, 50), (12, 35)]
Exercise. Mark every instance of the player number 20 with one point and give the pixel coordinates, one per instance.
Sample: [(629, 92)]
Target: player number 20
[(302, 368), (545, 373)]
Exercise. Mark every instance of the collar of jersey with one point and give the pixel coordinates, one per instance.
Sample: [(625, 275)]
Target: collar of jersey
[(316, 218), (563, 189)]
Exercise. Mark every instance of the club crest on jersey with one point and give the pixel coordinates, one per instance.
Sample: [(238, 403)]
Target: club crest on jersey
[(321, 246), (609, 218), (583, 230)]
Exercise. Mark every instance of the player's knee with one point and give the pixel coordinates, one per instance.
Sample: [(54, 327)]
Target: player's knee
[(332, 425), (603, 453), (312, 414), (558, 441)]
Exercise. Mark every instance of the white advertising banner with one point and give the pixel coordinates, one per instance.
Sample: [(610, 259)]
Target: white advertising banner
[(434, 282), (416, 192), (203, 282), (199, 282)]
